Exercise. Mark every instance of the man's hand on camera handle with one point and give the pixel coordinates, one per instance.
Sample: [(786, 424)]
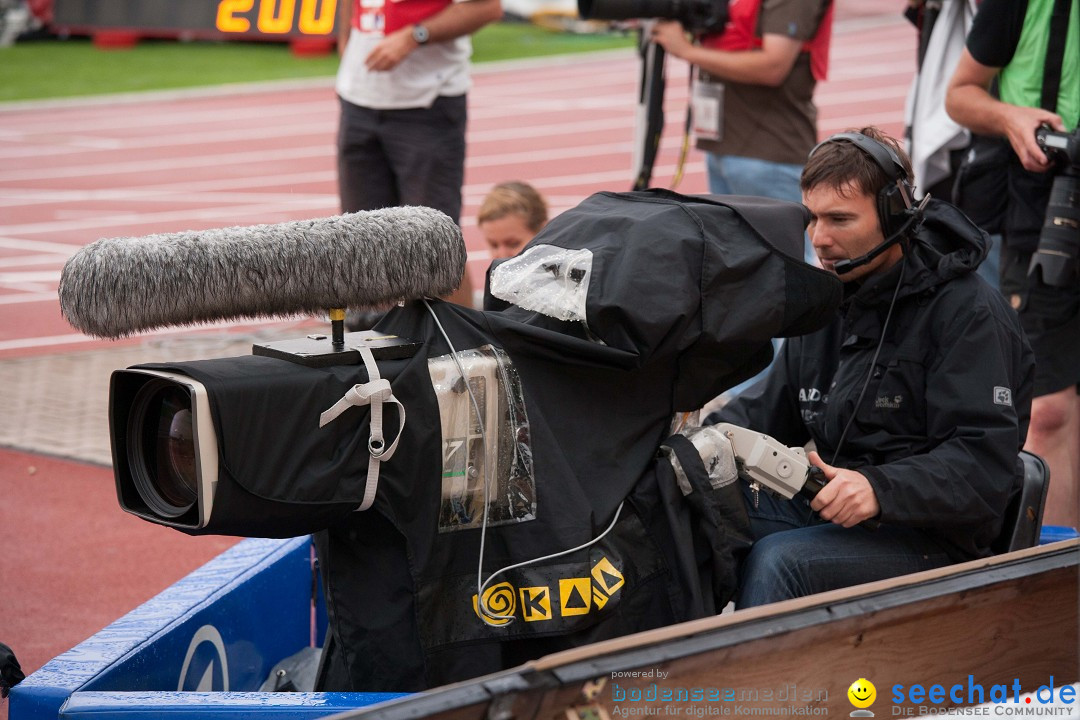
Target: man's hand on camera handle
[(847, 498)]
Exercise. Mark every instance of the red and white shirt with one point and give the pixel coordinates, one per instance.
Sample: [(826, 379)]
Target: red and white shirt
[(434, 69)]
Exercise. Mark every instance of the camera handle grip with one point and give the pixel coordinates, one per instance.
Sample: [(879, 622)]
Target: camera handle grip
[(815, 481)]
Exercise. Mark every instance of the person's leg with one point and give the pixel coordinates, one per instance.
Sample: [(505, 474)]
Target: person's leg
[(365, 181), (799, 562), (734, 175), (1054, 434), (761, 178), (426, 147), (714, 167), (1051, 319), (771, 514)]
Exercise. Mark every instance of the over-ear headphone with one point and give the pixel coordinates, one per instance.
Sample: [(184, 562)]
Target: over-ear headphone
[(896, 200)]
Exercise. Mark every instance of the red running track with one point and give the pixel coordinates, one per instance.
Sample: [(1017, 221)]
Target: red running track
[(71, 173)]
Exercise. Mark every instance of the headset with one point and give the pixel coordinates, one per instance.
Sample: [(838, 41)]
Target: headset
[(896, 207)]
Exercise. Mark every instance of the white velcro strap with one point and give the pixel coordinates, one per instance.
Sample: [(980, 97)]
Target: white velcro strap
[(374, 392), (377, 391)]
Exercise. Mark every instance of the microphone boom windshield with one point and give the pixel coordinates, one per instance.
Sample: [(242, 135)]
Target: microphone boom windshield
[(117, 286)]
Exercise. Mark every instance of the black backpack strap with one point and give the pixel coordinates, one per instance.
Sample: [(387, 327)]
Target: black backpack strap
[(1055, 54)]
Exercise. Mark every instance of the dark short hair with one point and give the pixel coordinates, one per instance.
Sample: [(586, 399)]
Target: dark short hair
[(843, 164)]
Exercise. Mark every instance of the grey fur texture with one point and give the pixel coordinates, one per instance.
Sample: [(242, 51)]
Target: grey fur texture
[(117, 286)]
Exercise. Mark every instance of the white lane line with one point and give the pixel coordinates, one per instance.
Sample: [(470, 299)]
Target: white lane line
[(228, 214), (158, 165), (75, 338), (23, 299), (153, 116), (234, 215), (321, 124), (215, 193), (29, 277), (38, 246), (25, 260)]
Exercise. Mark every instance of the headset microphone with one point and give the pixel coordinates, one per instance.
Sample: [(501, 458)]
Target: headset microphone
[(843, 267)]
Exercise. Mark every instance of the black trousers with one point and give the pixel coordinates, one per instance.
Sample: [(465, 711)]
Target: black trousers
[(390, 158)]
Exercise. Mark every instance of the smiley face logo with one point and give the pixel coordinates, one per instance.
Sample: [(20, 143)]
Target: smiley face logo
[(862, 693)]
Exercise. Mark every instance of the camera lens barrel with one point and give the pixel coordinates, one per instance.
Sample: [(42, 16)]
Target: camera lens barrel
[(1055, 261), (696, 15), (161, 448), (626, 9)]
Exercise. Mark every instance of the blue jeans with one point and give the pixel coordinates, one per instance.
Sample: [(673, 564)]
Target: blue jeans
[(735, 175), (796, 553)]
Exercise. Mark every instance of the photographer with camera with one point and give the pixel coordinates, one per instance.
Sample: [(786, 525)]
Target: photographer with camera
[(915, 396), (753, 92), (1033, 50)]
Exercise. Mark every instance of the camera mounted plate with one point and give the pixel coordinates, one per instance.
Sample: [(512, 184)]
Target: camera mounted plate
[(318, 350)]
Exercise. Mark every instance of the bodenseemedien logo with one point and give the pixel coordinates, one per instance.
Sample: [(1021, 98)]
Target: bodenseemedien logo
[(862, 694)]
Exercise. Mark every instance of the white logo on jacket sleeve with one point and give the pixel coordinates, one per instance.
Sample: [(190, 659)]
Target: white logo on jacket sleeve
[(1002, 396)]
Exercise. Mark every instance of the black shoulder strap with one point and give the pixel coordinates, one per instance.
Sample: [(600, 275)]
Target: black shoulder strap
[(1055, 54)]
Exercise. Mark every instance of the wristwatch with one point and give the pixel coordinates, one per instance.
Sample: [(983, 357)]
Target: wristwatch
[(420, 34)]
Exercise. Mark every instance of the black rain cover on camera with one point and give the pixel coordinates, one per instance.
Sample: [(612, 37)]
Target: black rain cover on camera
[(683, 298), (704, 281)]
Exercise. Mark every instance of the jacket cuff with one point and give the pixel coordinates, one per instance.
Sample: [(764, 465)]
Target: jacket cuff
[(879, 483)]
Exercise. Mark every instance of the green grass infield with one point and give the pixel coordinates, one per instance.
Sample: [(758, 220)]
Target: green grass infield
[(55, 68)]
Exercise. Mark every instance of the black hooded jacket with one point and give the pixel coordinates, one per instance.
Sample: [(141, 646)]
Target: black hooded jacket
[(947, 403)]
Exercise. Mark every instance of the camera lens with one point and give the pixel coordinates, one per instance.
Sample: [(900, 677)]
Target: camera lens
[(162, 448)]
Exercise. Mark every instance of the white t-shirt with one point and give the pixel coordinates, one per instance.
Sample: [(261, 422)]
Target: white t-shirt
[(431, 70)]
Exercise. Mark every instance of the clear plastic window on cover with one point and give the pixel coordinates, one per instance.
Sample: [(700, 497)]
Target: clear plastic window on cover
[(490, 450), (546, 279), (716, 453)]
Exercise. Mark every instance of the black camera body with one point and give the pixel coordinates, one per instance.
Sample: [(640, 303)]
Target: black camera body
[(698, 16), (1055, 261), (1060, 147)]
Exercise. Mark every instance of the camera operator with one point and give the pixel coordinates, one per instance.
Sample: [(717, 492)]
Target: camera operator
[(755, 91), (915, 396), (1019, 43)]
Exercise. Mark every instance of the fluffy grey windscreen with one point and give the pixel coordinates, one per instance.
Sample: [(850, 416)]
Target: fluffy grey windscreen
[(117, 286)]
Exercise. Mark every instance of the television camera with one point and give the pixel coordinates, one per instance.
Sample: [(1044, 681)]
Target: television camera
[(499, 473)]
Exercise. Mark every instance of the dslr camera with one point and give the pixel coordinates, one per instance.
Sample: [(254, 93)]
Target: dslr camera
[(700, 17), (1055, 259)]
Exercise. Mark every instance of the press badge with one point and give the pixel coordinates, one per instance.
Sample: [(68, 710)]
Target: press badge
[(707, 103)]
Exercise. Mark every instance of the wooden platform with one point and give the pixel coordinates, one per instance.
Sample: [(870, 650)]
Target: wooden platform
[(1009, 621)]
